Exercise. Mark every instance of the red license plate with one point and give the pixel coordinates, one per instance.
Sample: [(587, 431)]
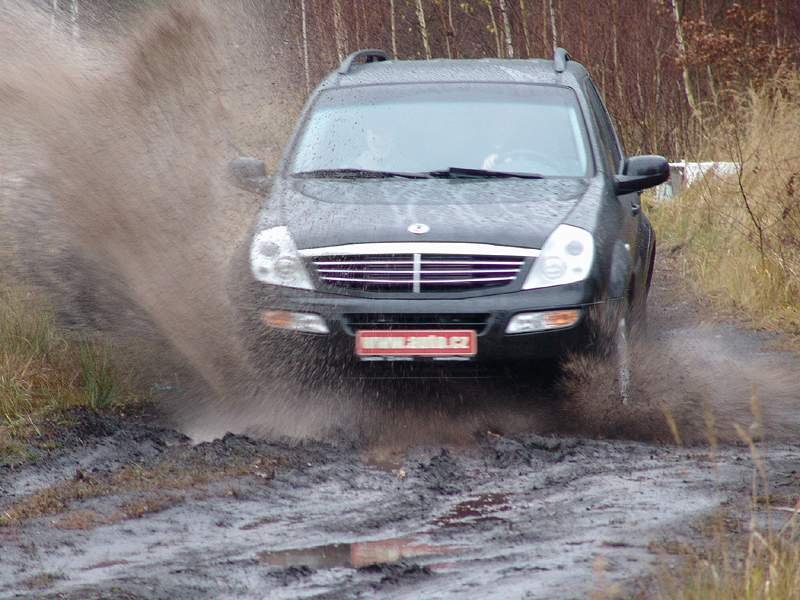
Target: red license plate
[(451, 342)]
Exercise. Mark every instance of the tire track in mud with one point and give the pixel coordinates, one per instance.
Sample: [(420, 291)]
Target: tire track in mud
[(542, 516)]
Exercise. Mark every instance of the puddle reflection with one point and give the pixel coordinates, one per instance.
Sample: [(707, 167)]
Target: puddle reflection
[(354, 555)]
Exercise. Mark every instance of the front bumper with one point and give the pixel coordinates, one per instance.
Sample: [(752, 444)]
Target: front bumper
[(343, 314)]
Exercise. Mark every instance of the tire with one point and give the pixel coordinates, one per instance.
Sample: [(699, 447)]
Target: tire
[(621, 354), (611, 347)]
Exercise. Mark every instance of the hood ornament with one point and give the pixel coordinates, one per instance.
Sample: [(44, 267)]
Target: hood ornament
[(418, 228)]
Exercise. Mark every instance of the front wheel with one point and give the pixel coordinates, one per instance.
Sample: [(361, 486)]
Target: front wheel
[(621, 355), (610, 349)]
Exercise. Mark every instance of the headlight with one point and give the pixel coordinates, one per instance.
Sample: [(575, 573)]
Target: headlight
[(274, 260), (566, 257)]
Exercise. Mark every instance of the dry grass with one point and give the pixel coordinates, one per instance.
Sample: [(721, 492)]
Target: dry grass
[(754, 560), (762, 567), (739, 237), (738, 242), (134, 509), (42, 370)]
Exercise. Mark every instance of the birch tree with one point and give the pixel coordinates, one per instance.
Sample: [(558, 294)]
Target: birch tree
[(423, 29), (681, 43), (544, 24), (506, 29), (523, 13), (494, 29), (451, 27), (553, 28), (338, 30), (440, 11), (393, 26), (304, 16)]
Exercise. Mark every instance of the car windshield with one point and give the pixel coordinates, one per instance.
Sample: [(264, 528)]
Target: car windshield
[(421, 128)]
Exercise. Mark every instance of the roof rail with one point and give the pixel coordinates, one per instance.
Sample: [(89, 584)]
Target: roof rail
[(369, 56), (560, 59)]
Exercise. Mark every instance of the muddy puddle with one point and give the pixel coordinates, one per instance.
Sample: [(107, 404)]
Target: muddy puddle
[(355, 555), (481, 508)]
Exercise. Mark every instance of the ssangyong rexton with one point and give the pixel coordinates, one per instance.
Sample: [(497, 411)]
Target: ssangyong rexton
[(465, 210)]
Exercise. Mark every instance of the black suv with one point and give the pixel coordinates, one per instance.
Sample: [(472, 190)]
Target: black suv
[(449, 210)]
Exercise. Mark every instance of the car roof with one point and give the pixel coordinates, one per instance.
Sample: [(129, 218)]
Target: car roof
[(443, 70)]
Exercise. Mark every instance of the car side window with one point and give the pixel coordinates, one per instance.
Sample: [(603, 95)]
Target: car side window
[(607, 135)]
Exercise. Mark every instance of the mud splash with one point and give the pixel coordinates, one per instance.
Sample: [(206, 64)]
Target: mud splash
[(128, 211)]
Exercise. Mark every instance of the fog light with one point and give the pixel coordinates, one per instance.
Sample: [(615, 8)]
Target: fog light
[(543, 321), (294, 321)]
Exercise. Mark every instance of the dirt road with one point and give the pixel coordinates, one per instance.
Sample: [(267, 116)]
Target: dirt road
[(126, 509), (477, 488)]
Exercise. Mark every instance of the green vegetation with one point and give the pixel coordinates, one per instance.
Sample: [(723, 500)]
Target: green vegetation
[(45, 371), (738, 237)]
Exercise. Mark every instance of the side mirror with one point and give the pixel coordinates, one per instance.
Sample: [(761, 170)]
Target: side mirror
[(250, 174), (642, 172)]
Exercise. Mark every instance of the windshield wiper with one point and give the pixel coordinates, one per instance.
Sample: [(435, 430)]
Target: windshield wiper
[(358, 173), (464, 173), (449, 173)]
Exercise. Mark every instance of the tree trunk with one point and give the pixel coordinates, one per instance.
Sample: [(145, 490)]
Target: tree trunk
[(681, 42), (615, 35), (523, 12), (553, 28), (545, 35), (451, 31), (393, 25), (357, 24), (338, 30), (423, 29), (440, 12), (306, 69), (495, 29), (506, 29)]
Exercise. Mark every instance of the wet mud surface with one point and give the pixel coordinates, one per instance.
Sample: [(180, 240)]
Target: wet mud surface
[(130, 509)]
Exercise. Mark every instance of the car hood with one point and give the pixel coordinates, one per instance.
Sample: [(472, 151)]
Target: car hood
[(510, 212)]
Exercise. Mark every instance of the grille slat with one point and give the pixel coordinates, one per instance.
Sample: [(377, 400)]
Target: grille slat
[(363, 262), (426, 272), (418, 272), (356, 322)]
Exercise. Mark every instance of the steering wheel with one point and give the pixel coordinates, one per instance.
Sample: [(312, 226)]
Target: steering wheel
[(524, 160)]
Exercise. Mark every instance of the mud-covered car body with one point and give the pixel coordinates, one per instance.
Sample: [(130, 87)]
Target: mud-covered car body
[(475, 261)]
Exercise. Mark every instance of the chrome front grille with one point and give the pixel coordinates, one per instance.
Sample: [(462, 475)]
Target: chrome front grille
[(400, 321), (419, 272)]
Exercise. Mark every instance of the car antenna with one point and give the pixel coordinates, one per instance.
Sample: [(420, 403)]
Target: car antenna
[(560, 59), (369, 56)]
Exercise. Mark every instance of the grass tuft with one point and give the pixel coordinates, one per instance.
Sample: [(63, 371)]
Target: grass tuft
[(100, 382), (763, 567), (45, 370)]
